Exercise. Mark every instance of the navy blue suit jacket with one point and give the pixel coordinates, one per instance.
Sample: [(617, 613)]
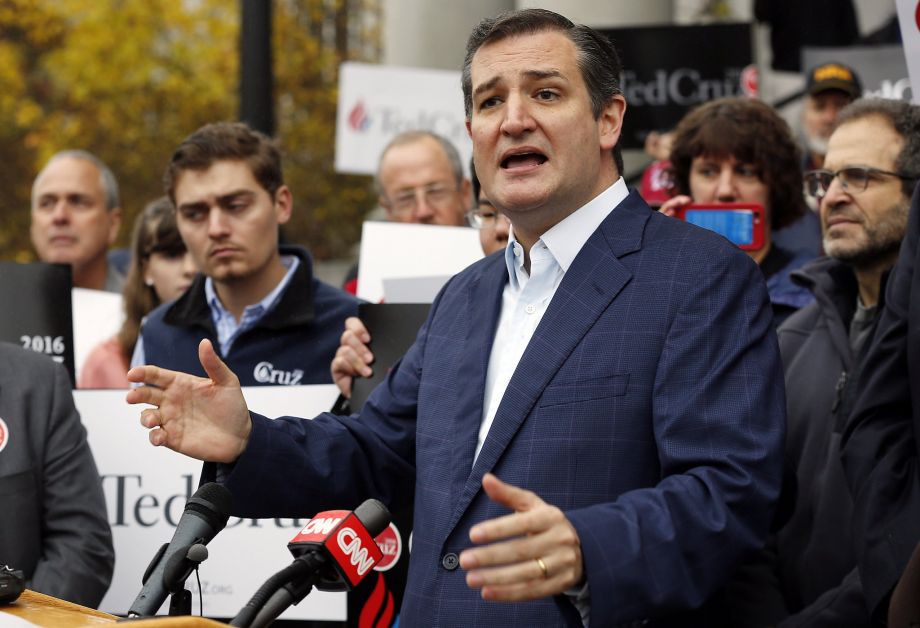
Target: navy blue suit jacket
[(648, 406)]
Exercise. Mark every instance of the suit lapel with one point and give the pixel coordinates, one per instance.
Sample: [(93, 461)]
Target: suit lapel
[(484, 301), (593, 280)]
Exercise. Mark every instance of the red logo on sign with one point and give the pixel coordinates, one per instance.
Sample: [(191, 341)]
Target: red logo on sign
[(390, 543), (4, 434), (357, 118), (749, 81), (917, 16)]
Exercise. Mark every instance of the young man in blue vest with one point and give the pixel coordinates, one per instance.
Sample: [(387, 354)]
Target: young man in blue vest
[(272, 321)]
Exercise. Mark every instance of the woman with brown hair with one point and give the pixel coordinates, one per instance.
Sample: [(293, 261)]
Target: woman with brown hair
[(739, 150), (161, 270)]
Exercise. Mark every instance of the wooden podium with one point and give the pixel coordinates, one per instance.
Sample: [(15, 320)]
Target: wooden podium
[(44, 610)]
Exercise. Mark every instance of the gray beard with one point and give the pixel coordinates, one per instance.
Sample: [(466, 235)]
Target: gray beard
[(816, 145), (882, 241)]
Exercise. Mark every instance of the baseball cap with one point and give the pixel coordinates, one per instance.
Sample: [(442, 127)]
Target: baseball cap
[(833, 75)]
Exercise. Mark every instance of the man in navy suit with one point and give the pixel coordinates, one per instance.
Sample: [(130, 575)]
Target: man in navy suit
[(616, 368)]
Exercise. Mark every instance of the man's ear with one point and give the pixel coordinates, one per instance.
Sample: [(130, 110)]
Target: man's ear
[(284, 204), (114, 224), (469, 129), (610, 122)]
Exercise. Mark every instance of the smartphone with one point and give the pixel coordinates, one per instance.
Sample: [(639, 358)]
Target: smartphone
[(741, 223)]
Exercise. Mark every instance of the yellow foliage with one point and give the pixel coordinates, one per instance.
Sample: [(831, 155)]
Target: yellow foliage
[(129, 80)]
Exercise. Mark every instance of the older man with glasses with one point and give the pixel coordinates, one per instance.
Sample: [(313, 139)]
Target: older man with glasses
[(419, 180), (871, 166)]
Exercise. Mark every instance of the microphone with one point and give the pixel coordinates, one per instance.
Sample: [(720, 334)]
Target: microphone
[(334, 551), (205, 515)]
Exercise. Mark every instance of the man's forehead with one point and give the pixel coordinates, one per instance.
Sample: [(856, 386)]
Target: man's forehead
[(540, 53), (69, 175), (220, 178), (420, 159), (869, 141)]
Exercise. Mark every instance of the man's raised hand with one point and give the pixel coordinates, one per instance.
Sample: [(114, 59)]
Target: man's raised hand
[(204, 418)]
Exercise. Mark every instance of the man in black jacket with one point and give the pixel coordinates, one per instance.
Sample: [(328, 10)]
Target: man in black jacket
[(864, 191)]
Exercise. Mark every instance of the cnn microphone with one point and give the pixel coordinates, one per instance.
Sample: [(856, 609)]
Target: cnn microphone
[(205, 515), (334, 551)]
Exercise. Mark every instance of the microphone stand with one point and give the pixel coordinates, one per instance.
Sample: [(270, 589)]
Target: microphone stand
[(174, 577), (274, 596)]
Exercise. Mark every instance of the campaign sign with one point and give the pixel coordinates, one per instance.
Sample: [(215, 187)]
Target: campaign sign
[(373, 108), (909, 20), (36, 312), (146, 489), (668, 70)]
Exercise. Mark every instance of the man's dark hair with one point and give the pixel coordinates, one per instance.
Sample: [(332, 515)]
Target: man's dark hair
[(597, 57), (905, 119), (751, 132), (221, 141)]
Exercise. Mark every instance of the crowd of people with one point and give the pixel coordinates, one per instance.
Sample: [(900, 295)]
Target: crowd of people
[(614, 418)]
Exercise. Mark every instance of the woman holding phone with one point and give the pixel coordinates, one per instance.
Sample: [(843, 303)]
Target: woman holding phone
[(740, 151)]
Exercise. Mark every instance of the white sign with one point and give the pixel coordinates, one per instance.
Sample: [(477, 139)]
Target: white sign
[(378, 102), (97, 316), (146, 489), (909, 17), (401, 250)]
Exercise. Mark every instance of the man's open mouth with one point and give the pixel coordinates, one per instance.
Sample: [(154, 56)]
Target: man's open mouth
[(523, 160)]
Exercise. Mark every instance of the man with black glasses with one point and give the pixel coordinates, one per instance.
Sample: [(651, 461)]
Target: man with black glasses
[(871, 165)]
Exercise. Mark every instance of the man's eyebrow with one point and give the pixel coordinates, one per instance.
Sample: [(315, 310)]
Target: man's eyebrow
[(530, 74), (230, 196), (543, 74), (221, 200), (482, 87)]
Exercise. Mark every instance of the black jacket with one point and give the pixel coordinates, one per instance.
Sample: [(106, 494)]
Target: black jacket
[(880, 446), (807, 576)]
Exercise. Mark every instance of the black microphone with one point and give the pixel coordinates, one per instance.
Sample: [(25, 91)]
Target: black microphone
[(334, 551), (205, 515)]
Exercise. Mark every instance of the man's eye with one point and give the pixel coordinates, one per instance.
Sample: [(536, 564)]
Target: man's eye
[(488, 103), (546, 94), (194, 215), (856, 176)]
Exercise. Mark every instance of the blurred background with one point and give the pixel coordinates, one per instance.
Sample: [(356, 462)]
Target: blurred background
[(128, 80)]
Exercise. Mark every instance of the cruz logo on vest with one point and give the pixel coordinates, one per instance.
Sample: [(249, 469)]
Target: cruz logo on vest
[(266, 373)]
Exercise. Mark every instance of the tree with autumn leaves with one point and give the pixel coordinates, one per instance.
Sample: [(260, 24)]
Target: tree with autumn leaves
[(129, 80)]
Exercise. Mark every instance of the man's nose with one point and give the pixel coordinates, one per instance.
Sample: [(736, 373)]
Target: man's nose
[(424, 212), (518, 118), (217, 223), (835, 194), (60, 213)]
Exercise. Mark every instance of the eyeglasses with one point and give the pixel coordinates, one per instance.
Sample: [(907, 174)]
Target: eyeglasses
[(852, 179), (482, 218), (406, 201)]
